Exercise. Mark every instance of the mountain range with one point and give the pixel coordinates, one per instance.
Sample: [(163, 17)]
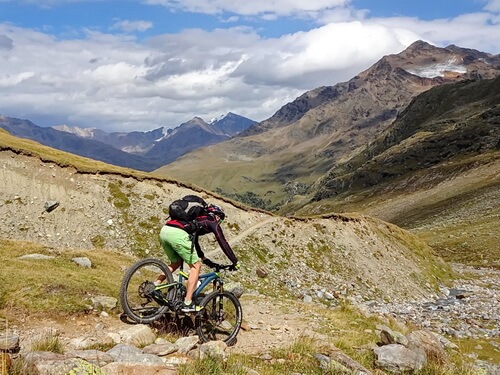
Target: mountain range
[(414, 140), (287, 158), (144, 151), (404, 141)]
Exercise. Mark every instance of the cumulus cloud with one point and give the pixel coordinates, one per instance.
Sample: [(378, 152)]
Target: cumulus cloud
[(120, 83), (322, 56), (478, 30), (493, 6)]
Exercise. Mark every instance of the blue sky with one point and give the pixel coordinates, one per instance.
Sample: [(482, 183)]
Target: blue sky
[(128, 65)]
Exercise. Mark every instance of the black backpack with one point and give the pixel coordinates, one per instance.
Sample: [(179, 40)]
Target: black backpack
[(187, 209)]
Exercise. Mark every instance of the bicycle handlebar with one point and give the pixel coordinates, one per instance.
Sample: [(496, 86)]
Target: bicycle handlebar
[(220, 267)]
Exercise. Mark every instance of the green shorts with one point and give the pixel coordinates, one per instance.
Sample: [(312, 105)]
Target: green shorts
[(177, 245)]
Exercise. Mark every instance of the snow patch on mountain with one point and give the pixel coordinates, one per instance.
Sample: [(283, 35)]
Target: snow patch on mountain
[(215, 119), (439, 69), (81, 132), (165, 134)]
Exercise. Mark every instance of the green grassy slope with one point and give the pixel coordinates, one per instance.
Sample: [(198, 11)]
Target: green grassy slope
[(434, 171)]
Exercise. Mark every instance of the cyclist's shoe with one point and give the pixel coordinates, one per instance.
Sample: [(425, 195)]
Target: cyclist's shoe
[(191, 308), (178, 305)]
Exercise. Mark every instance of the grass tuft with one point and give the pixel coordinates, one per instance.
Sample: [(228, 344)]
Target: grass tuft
[(48, 343)]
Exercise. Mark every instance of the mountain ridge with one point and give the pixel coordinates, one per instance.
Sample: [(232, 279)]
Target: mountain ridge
[(72, 143), (138, 150), (444, 133), (304, 139)]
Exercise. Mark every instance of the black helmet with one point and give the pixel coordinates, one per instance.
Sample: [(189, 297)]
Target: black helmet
[(216, 211)]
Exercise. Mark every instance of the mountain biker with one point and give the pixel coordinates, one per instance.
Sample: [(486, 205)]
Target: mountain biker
[(178, 239)]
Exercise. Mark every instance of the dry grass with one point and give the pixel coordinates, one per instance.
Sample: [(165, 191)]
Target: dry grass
[(60, 287), (55, 286), (62, 158), (50, 342), (306, 356), (454, 207), (85, 165)]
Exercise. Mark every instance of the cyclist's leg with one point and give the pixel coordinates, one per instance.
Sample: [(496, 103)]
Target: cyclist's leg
[(194, 273), (166, 239), (178, 247), (175, 265), (182, 245)]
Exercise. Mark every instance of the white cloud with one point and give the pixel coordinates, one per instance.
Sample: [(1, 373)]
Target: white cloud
[(479, 31), (254, 7), (5, 42), (116, 82), (131, 26), (493, 6)]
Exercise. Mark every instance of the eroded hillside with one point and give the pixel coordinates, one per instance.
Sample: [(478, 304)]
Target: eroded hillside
[(356, 255)]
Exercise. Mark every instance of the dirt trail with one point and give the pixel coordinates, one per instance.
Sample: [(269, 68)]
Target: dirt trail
[(243, 234), (267, 324), (270, 324)]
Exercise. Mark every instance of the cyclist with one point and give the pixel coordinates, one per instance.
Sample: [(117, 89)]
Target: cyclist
[(178, 239)]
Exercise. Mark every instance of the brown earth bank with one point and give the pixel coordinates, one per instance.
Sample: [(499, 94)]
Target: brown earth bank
[(353, 253)]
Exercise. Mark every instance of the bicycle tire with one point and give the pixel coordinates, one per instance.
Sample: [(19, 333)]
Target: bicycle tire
[(214, 323), (138, 305)]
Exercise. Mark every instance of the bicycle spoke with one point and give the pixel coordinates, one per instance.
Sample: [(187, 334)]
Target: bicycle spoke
[(220, 319), (139, 297)]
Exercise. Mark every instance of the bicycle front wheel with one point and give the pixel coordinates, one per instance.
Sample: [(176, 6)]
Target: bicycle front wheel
[(220, 318), (138, 296)]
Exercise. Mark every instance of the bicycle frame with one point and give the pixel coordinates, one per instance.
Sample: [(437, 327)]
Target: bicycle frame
[(205, 279)]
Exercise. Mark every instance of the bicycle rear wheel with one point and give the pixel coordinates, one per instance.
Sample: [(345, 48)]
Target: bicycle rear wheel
[(220, 318), (138, 297)]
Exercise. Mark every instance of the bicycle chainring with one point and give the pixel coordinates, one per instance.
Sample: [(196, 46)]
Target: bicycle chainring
[(146, 289)]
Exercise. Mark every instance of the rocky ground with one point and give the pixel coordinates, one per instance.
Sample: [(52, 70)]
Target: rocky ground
[(469, 309)]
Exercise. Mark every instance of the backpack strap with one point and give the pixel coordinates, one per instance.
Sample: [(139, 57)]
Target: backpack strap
[(196, 199), (175, 223), (193, 237)]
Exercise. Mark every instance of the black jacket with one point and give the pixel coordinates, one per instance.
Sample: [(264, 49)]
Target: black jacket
[(204, 225)]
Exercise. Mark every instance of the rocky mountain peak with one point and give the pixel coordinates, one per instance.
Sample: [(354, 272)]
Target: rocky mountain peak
[(130, 149), (421, 60), (451, 63), (419, 46), (305, 138), (195, 122)]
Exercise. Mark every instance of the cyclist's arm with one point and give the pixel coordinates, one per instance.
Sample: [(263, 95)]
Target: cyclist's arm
[(197, 246), (224, 245)]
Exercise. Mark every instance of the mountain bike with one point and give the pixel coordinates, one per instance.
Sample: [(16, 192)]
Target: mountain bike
[(144, 302)]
